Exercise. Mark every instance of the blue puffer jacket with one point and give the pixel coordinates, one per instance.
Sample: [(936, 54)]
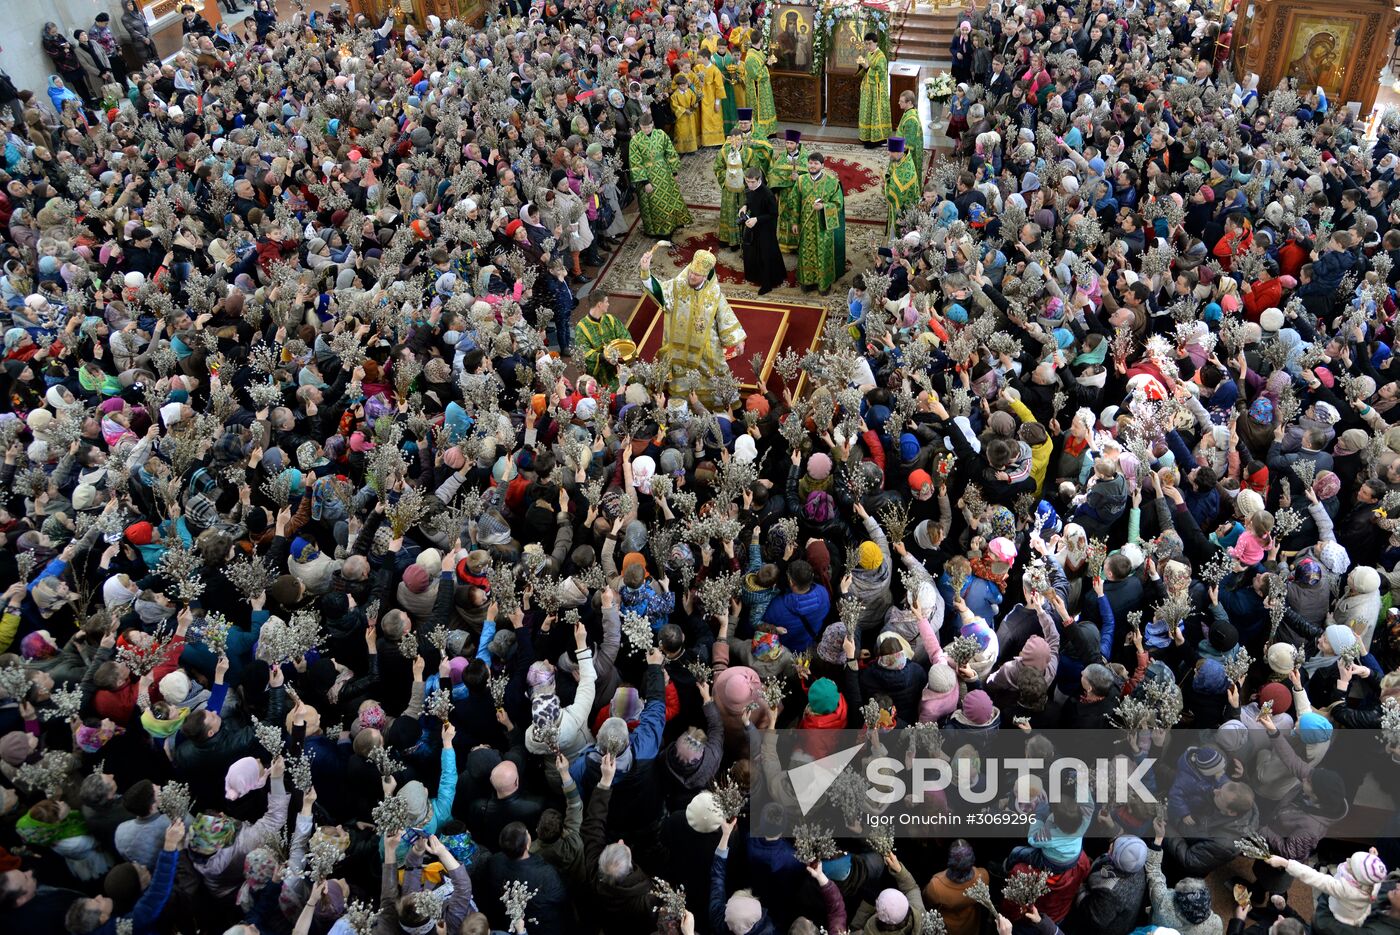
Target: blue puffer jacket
[(801, 615)]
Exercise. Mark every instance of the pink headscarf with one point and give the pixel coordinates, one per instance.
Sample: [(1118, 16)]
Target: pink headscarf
[(243, 777)]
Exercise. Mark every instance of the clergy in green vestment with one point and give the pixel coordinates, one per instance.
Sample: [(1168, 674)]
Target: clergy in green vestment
[(654, 163), (874, 116), (787, 166), (758, 89), (821, 227), (902, 190), (911, 128)]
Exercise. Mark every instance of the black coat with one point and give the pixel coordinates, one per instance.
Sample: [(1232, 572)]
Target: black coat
[(763, 261)]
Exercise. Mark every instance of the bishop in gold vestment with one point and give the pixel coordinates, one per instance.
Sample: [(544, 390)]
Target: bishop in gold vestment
[(700, 331)]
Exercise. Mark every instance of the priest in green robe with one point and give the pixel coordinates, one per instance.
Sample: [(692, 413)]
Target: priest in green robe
[(911, 128), (874, 93), (758, 90), (821, 227), (654, 164), (902, 190), (787, 166)]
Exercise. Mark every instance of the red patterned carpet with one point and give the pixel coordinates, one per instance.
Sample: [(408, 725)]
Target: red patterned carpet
[(730, 263), (771, 327)]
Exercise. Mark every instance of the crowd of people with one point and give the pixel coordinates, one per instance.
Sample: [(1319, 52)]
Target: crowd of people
[(352, 561)]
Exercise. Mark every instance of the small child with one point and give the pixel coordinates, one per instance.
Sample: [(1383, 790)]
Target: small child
[(1256, 540), (1348, 889), (560, 299)]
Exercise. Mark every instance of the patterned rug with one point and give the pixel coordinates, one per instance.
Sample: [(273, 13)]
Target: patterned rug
[(771, 327), (861, 170), (620, 276)]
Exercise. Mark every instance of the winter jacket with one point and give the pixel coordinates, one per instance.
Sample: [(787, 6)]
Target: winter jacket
[(1192, 790), (801, 615), (1166, 911), (904, 685), (147, 910), (718, 899), (624, 903), (1109, 902)]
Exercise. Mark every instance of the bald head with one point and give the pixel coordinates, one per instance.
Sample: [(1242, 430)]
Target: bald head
[(505, 779)]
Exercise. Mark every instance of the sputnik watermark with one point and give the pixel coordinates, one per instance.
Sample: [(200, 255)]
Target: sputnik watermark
[(917, 780)]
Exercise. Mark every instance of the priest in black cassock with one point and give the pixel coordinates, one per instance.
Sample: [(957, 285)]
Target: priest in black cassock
[(763, 260)]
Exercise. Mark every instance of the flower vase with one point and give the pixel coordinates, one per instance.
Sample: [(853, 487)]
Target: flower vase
[(936, 108)]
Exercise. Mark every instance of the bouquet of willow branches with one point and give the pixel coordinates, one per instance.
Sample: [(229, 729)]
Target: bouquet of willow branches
[(1025, 887), (381, 759), (637, 632), (361, 917), (497, 684), (501, 579), (894, 516), (1390, 720), (14, 680), (438, 704), (1097, 555), (49, 775), (181, 565), (774, 691), (1305, 471), (299, 771), (515, 898), (1254, 846), (174, 800), (871, 712), (391, 816), (701, 671), (670, 900), (213, 632), (982, 896), (1286, 523), (962, 650), (323, 854), (1276, 599), (67, 702), (717, 591), (286, 641), (1215, 570), (269, 735), (849, 611), (1237, 665), (250, 575), (813, 842), (880, 838), (730, 797), (933, 923)]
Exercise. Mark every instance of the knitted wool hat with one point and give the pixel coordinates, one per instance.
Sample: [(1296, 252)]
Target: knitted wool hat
[(703, 814), (1280, 658), (891, 906), (870, 555), (819, 466), (1281, 697), (977, 707), (1207, 761), (1128, 853), (742, 913), (822, 697), (1340, 638), (1366, 869)]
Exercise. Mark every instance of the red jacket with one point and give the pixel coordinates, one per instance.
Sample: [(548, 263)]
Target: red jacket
[(1231, 246), (1266, 294), (120, 705), (1064, 885), (1291, 257)]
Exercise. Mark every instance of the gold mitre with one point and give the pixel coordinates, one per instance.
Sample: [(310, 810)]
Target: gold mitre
[(701, 263)]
